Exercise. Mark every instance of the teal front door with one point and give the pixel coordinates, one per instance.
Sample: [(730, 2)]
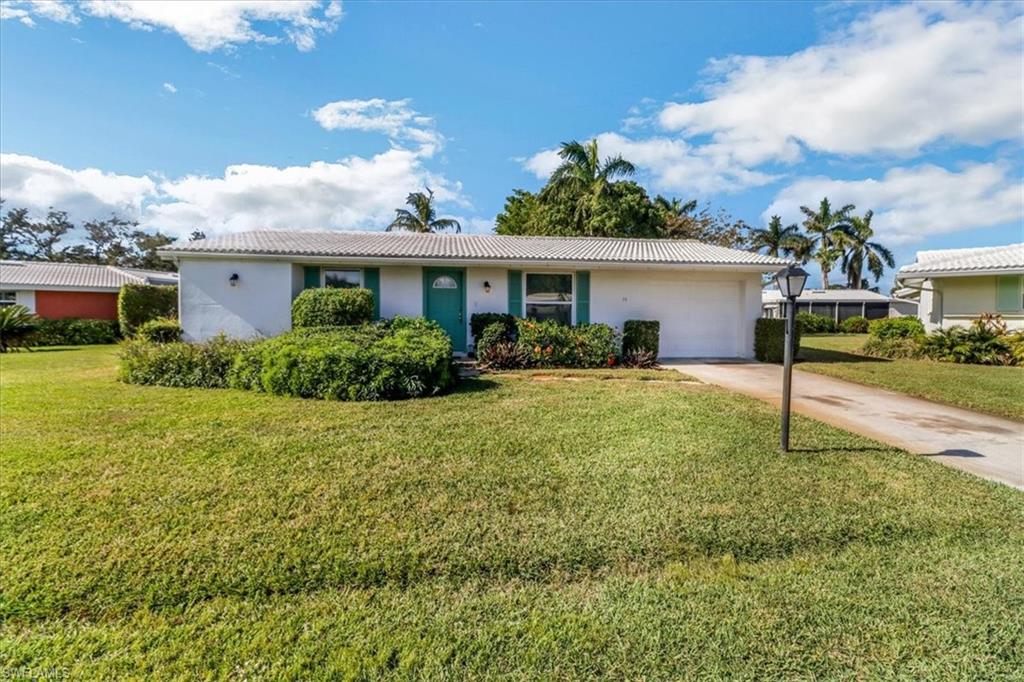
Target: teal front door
[(444, 301)]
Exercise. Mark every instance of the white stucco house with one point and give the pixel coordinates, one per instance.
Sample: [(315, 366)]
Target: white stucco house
[(955, 286), (707, 298)]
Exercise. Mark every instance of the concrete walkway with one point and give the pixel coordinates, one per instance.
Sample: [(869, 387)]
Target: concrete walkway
[(990, 447)]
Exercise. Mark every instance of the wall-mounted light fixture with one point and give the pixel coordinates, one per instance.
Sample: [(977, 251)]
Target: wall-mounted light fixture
[(233, 279), (487, 287)]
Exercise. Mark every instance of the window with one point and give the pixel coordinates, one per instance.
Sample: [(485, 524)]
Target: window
[(549, 297), (343, 279), (445, 282), (8, 298)]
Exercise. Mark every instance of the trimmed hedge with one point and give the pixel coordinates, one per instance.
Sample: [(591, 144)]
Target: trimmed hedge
[(140, 303), (550, 344), (480, 321), (163, 330), (181, 365), (332, 307), (76, 332), (854, 325), (770, 339), (640, 335), (896, 328), (812, 323)]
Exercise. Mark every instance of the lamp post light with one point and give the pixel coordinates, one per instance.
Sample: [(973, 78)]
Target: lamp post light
[(791, 281)]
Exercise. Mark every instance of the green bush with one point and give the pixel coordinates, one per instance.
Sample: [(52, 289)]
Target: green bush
[(980, 344), (812, 323), (896, 328), (480, 321), (76, 332), (404, 358), (854, 325), (140, 303), (497, 348), (640, 335), (332, 307), (182, 365), (17, 327), (550, 344), (895, 347), (162, 330), (770, 339)]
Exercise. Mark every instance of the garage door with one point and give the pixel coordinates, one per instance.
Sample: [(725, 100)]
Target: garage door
[(702, 321)]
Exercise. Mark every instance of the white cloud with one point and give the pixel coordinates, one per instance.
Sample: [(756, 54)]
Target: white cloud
[(893, 82), (394, 118), (911, 204), (206, 25), (170, 87)]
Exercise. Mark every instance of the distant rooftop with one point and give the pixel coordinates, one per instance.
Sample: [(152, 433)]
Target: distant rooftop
[(829, 296), (985, 260), (48, 275)]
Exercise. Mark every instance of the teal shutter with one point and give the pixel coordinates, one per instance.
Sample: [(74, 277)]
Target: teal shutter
[(371, 280), (310, 277), (582, 297), (515, 292), (1008, 293)]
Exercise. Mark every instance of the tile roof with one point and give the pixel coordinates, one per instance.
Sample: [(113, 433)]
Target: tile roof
[(44, 274), (828, 296), (475, 247), (1009, 258)]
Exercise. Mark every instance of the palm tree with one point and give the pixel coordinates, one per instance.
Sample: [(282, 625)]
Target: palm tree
[(422, 217), (825, 228), (584, 177), (675, 208), (775, 239), (856, 239)]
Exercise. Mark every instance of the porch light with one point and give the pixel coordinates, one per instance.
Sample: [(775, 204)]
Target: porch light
[(487, 287), (233, 279), (791, 280)]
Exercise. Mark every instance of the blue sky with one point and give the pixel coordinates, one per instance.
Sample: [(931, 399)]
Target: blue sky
[(305, 115)]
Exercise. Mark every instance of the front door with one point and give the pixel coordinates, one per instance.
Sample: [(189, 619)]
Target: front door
[(444, 301)]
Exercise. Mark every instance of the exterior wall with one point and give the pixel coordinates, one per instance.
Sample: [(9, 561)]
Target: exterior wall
[(959, 300), (401, 291), (260, 304), (94, 305)]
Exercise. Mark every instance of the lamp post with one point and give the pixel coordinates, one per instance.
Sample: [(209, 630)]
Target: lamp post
[(791, 281)]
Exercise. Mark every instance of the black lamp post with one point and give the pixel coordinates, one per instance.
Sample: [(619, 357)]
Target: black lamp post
[(791, 280)]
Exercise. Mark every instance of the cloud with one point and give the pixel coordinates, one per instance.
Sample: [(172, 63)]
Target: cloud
[(228, 73), (394, 118), (206, 25), (170, 87), (893, 82), (912, 204)]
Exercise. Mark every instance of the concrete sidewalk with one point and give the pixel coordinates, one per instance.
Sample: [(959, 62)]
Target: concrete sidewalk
[(990, 447)]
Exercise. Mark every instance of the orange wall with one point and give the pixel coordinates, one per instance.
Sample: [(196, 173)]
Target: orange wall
[(93, 305)]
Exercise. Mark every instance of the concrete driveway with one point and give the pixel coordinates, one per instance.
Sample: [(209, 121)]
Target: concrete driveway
[(990, 447)]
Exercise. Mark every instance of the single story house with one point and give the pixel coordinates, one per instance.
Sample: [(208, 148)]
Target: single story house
[(707, 298), (840, 304), (955, 286), (60, 290)]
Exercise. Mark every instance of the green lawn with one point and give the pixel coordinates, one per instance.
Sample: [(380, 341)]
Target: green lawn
[(523, 527), (995, 390)]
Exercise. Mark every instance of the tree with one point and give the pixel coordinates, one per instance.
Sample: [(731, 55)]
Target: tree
[(825, 227), (423, 217), (585, 179), (35, 240), (196, 235), (858, 248), (711, 227), (776, 240)]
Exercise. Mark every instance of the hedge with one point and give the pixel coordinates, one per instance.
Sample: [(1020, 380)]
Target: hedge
[(640, 335), (770, 339), (480, 321), (75, 332), (854, 325), (496, 347), (332, 307), (550, 344), (181, 365), (162, 330), (139, 303), (896, 328), (812, 323)]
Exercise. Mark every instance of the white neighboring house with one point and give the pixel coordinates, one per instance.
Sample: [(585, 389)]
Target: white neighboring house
[(707, 298), (955, 286), (840, 304)]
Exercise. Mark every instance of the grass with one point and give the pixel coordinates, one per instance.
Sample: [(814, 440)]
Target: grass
[(515, 529), (993, 390)]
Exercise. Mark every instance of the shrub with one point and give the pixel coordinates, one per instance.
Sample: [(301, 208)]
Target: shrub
[(405, 358), (496, 347), (854, 325), (161, 330), (183, 365), (480, 321), (640, 335), (550, 344), (812, 323), (983, 343), (639, 358), (896, 328), (140, 303), (332, 307), (770, 339), (76, 332), (893, 347), (17, 327)]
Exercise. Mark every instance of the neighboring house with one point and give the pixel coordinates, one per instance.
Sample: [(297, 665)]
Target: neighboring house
[(955, 286), (840, 304), (59, 290), (707, 298)]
